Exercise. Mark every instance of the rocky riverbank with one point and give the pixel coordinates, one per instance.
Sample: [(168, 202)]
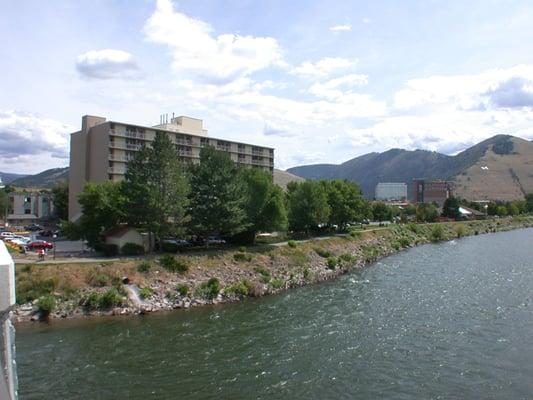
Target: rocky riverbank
[(181, 282)]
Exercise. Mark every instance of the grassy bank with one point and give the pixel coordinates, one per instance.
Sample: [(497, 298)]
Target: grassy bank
[(171, 282)]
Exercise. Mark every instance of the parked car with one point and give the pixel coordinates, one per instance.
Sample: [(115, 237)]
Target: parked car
[(215, 240), (177, 242), (33, 227), (39, 244), (6, 235)]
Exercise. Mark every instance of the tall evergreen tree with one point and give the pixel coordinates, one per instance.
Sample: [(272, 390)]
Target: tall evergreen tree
[(450, 208), (156, 188), (217, 196), (60, 198)]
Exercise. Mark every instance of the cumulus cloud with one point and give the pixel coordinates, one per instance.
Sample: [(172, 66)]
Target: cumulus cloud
[(324, 67), (341, 28), (515, 92), (28, 141), (332, 89), (277, 130), (198, 52), (107, 64), (495, 88)]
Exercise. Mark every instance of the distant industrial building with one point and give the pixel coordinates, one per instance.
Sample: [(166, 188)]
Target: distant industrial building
[(101, 150), (432, 191), (29, 207), (391, 191)]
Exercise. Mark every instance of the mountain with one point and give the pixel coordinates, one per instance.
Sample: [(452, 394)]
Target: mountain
[(283, 178), (44, 180), (499, 168), (8, 178)]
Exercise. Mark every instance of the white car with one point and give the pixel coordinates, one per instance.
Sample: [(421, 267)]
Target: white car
[(6, 235), (20, 241)]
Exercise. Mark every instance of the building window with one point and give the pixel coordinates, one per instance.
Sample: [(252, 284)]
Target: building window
[(204, 142), (26, 211), (242, 147)]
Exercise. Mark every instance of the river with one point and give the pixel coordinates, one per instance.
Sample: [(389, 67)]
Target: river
[(451, 320)]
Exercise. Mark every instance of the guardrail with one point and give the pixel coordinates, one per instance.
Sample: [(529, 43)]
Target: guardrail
[(8, 370)]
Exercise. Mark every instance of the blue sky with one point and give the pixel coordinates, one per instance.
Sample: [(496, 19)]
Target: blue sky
[(319, 81)]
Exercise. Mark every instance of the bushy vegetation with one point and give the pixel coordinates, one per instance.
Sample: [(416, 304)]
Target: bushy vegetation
[(109, 249), (348, 258), (322, 252), (276, 283), (292, 243), (242, 288), (146, 293), (182, 289), (46, 304), (103, 301), (437, 233), (332, 262), (132, 249), (208, 290), (173, 264), (460, 230), (31, 287), (242, 257), (144, 267)]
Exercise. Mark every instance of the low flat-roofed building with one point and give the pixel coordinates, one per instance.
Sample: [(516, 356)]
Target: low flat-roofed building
[(391, 191), (28, 207), (101, 150)]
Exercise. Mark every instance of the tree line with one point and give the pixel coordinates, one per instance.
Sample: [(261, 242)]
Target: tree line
[(164, 197)]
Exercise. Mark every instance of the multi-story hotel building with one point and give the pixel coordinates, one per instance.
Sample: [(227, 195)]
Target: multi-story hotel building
[(101, 150), (432, 191), (389, 191)]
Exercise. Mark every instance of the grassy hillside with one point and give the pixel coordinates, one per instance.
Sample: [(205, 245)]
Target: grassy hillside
[(509, 154), (45, 180), (8, 178)]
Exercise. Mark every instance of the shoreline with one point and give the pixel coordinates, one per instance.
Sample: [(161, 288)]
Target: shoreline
[(256, 272)]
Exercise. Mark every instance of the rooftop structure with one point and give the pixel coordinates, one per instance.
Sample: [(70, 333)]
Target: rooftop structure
[(100, 151)]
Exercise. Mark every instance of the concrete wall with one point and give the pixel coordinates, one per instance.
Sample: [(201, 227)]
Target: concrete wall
[(8, 376)]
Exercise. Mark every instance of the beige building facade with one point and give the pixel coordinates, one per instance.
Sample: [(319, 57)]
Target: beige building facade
[(28, 207), (101, 150)]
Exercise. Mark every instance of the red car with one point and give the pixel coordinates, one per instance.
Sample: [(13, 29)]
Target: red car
[(39, 244)]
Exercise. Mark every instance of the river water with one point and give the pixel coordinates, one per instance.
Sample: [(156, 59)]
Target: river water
[(445, 321)]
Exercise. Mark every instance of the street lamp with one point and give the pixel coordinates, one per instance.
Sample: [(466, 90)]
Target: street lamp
[(54, 236)]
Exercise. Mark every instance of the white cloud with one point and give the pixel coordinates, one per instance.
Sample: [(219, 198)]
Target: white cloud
[(324, 67), (500, 88), (30, 142), (366, 20), (341, 28), (198, 53), (107, 64), (332, 89)]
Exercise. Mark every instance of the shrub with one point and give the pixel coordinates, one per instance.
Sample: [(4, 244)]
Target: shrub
[(307, 274), (413, 227), (323, 253), (277, 283), (132, 249), (437, 233), (292, 243), (332, 262), (209, 289), (46, 304), (242, 249), (348, 258), (460, 230), (144, 267), (146, 293), (240, 289), (298, 258), (241, 257), (111, 298), (30, 288), (182, 289), (98, 279), (172, 264), (109, 249), (262, 270), (404, 241)]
